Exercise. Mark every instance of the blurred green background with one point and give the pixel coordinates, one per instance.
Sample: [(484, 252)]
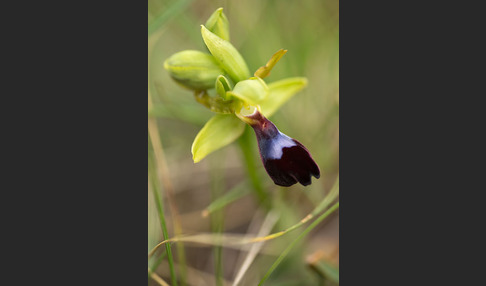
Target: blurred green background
[(309, 30)]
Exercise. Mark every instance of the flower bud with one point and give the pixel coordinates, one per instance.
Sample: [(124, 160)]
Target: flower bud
[(193, 69), (227, 55), (218, 24)]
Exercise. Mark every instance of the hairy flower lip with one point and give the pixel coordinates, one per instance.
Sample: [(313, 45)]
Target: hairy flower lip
[(285, 159), (295, 165)]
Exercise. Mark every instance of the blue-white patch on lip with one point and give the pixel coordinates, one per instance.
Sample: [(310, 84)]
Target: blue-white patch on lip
[(272, 148)]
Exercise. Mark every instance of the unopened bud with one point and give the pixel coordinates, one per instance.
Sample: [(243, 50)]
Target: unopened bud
[(218, 24), (193, 69)]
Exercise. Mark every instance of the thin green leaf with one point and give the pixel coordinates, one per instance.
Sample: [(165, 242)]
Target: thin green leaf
[(330, 197), (237, 192), (218, 132), (280, 92), (326, 270)]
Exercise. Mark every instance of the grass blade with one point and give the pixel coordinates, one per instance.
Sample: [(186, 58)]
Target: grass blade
[(235, 193), (157, 278), (267, 226), (232, 240), (161, 174), (304, 233), (163, 225), (157, 262), (331, 196)]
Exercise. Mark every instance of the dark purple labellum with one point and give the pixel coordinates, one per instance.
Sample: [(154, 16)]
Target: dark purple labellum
[(286, 160)]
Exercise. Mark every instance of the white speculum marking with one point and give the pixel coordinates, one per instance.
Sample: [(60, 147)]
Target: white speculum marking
[(274, 147)]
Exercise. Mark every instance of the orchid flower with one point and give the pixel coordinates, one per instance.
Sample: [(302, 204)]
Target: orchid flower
[(241, 98)]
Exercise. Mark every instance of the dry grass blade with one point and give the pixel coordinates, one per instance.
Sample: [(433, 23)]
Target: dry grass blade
[(267, 226), (232, 240), (157, 278), (212, 239), (163, 170)]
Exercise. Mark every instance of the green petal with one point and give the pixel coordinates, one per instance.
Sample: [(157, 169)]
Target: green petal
[(252, 90), (218, 24), (227, 55), (280, 92), (264, 71), (218, 132), (222, 85)]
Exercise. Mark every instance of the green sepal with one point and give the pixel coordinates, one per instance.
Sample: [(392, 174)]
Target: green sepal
[(227, 55), (280, 92), (252, 90), (218, 24), (218, 132)]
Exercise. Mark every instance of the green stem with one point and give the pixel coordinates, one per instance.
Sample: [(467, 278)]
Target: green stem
[(247, 144)]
